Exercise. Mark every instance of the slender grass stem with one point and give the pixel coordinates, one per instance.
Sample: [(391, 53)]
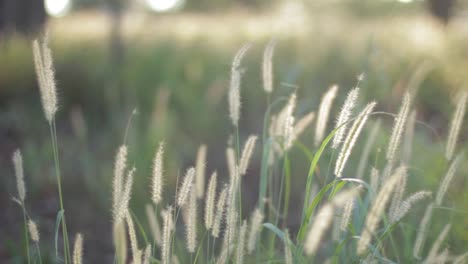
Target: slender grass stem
[(66, 246), (38, 252), (26, 234)]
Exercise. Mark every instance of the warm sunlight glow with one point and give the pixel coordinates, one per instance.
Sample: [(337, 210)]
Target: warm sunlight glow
[(57, 8), (163, 5)]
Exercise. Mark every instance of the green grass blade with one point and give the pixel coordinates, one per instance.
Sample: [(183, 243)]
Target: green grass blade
[(58, 220)]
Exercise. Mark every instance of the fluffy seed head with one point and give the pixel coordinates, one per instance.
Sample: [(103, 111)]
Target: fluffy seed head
[(78, 249), (443, 187), (267, 66), (436, 246), (210, 201), (166, 245), (422, 231), (220, 206), (153, 224), (255, 227), (302, 125), (247, 154), (406, 205), (185, 187), (455, 125), (132, 235), (18, 164), (191, 223), (363, 161), (156, 194), (122, 208), (347, 212), (200, 166), (46, 77), (320, 225), (352, 137), (33, 231), (378, 207), (234, 88), (344, 116), (398, 128), (147, 255), (324, 219), (324, 112), (241, 243), (398, 195), (288, 126), (119, 169), (231, 160), (408, 137)]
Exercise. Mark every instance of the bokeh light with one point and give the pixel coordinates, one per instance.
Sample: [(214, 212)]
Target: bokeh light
[(164, 5), (57, 8)]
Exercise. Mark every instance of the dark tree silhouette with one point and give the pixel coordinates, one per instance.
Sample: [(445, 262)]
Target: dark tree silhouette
[(21, 16)]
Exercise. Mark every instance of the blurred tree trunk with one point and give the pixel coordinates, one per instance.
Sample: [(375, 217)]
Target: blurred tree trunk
[(21, 16), (442, 9)]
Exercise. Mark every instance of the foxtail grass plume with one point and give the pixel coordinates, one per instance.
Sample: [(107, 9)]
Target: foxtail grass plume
[(122, 207), (43, 64), (200, 166), (184, 189), (398, 194), (408, 137), (210, 201), (19, 173), (398, 127), (156, 194), (231, 160), (132, 236), (343, 117), (247, 154), (288, 258), (153, 224), (120, 242), (267, 66), (374, 179), (377, 209), (241, 243), (422, 231), (347, 213), (443, 187), (220, 207), (78, 249), (191, 224), (461, 259), (324, 219), (436, 246), (351, 138), (406, 205), (319, 226), (288, 125), (302, 124), (166, 245), (234, 87), (323, 113), (364, 160), (117, 183), (455, 125), (33, 231), (256, 221), (147, 255)]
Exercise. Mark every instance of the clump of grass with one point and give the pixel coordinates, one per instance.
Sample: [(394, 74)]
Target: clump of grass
[(242, 240)]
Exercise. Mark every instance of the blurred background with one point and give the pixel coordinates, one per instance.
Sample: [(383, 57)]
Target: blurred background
[(170, 60)]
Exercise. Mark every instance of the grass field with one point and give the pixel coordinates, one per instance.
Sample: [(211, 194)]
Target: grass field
[(173, 81)]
